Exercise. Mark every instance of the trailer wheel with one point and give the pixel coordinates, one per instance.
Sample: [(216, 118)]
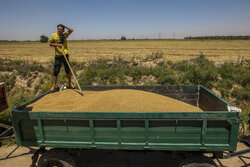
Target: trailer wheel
[(56, 158), (198, 161)]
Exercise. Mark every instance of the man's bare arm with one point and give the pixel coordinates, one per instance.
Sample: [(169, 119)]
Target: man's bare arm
[(52, 43), (70, 30)]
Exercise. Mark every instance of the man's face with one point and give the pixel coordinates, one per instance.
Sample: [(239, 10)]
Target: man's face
[(60, 30)]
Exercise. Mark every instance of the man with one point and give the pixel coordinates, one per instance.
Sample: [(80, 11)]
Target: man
[(59, 41)]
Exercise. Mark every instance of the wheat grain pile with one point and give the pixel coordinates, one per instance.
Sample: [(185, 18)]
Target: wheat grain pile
[(122, 100)]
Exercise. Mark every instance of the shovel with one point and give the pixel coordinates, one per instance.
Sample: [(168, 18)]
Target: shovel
[(81, 92)]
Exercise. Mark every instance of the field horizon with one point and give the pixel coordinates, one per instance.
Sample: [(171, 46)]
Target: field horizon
[(218, 51)]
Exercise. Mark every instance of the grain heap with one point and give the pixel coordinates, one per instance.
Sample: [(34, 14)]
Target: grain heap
[(110, 100)]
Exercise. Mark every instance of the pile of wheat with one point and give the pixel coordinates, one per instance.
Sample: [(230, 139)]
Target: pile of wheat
[(120, 100)]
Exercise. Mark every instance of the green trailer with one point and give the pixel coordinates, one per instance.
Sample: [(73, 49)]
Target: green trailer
[(189, 134)]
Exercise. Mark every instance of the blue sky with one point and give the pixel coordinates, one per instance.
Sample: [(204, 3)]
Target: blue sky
[(104, 19)]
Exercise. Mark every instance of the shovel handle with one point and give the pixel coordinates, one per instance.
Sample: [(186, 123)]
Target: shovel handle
[(72, 71)]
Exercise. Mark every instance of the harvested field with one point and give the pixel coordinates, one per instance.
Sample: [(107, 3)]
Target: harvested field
[(121, 100), (218, 51)]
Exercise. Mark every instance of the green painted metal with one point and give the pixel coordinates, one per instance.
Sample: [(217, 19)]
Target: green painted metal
[(210, 102), (180, 131)]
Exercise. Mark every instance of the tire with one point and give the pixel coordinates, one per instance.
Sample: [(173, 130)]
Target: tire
[(198, 161), (56, 158)]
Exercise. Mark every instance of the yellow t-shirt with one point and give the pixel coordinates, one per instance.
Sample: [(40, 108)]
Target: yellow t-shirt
[(56, 38)]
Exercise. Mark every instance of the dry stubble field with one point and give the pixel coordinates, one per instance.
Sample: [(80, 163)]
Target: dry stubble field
[(174, 50)]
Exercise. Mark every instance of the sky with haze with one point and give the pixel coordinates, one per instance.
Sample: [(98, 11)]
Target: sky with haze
[(110, 19)]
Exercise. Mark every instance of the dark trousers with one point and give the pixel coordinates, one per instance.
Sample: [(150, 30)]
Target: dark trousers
[(58, 63)]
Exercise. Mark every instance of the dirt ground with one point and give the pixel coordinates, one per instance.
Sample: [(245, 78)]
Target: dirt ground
[(14, 156)]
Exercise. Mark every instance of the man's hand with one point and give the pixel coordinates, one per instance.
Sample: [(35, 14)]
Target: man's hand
[(60, 45), (70, 30)]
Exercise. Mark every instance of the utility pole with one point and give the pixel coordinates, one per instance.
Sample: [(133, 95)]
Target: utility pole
[(173, 35), (159, 35)]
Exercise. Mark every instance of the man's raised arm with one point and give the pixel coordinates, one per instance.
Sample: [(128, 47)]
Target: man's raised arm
[(70, 30)]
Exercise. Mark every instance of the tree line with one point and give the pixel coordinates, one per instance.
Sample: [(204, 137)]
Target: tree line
[(229, 37)]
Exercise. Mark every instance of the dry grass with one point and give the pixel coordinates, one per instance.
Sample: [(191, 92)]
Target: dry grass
[(174, 50)]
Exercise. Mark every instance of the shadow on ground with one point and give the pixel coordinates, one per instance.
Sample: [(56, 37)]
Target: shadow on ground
[(106, 158), (10, 156)]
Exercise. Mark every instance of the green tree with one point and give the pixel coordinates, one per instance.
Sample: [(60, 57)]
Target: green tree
[(123, 38), (44, 38)]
